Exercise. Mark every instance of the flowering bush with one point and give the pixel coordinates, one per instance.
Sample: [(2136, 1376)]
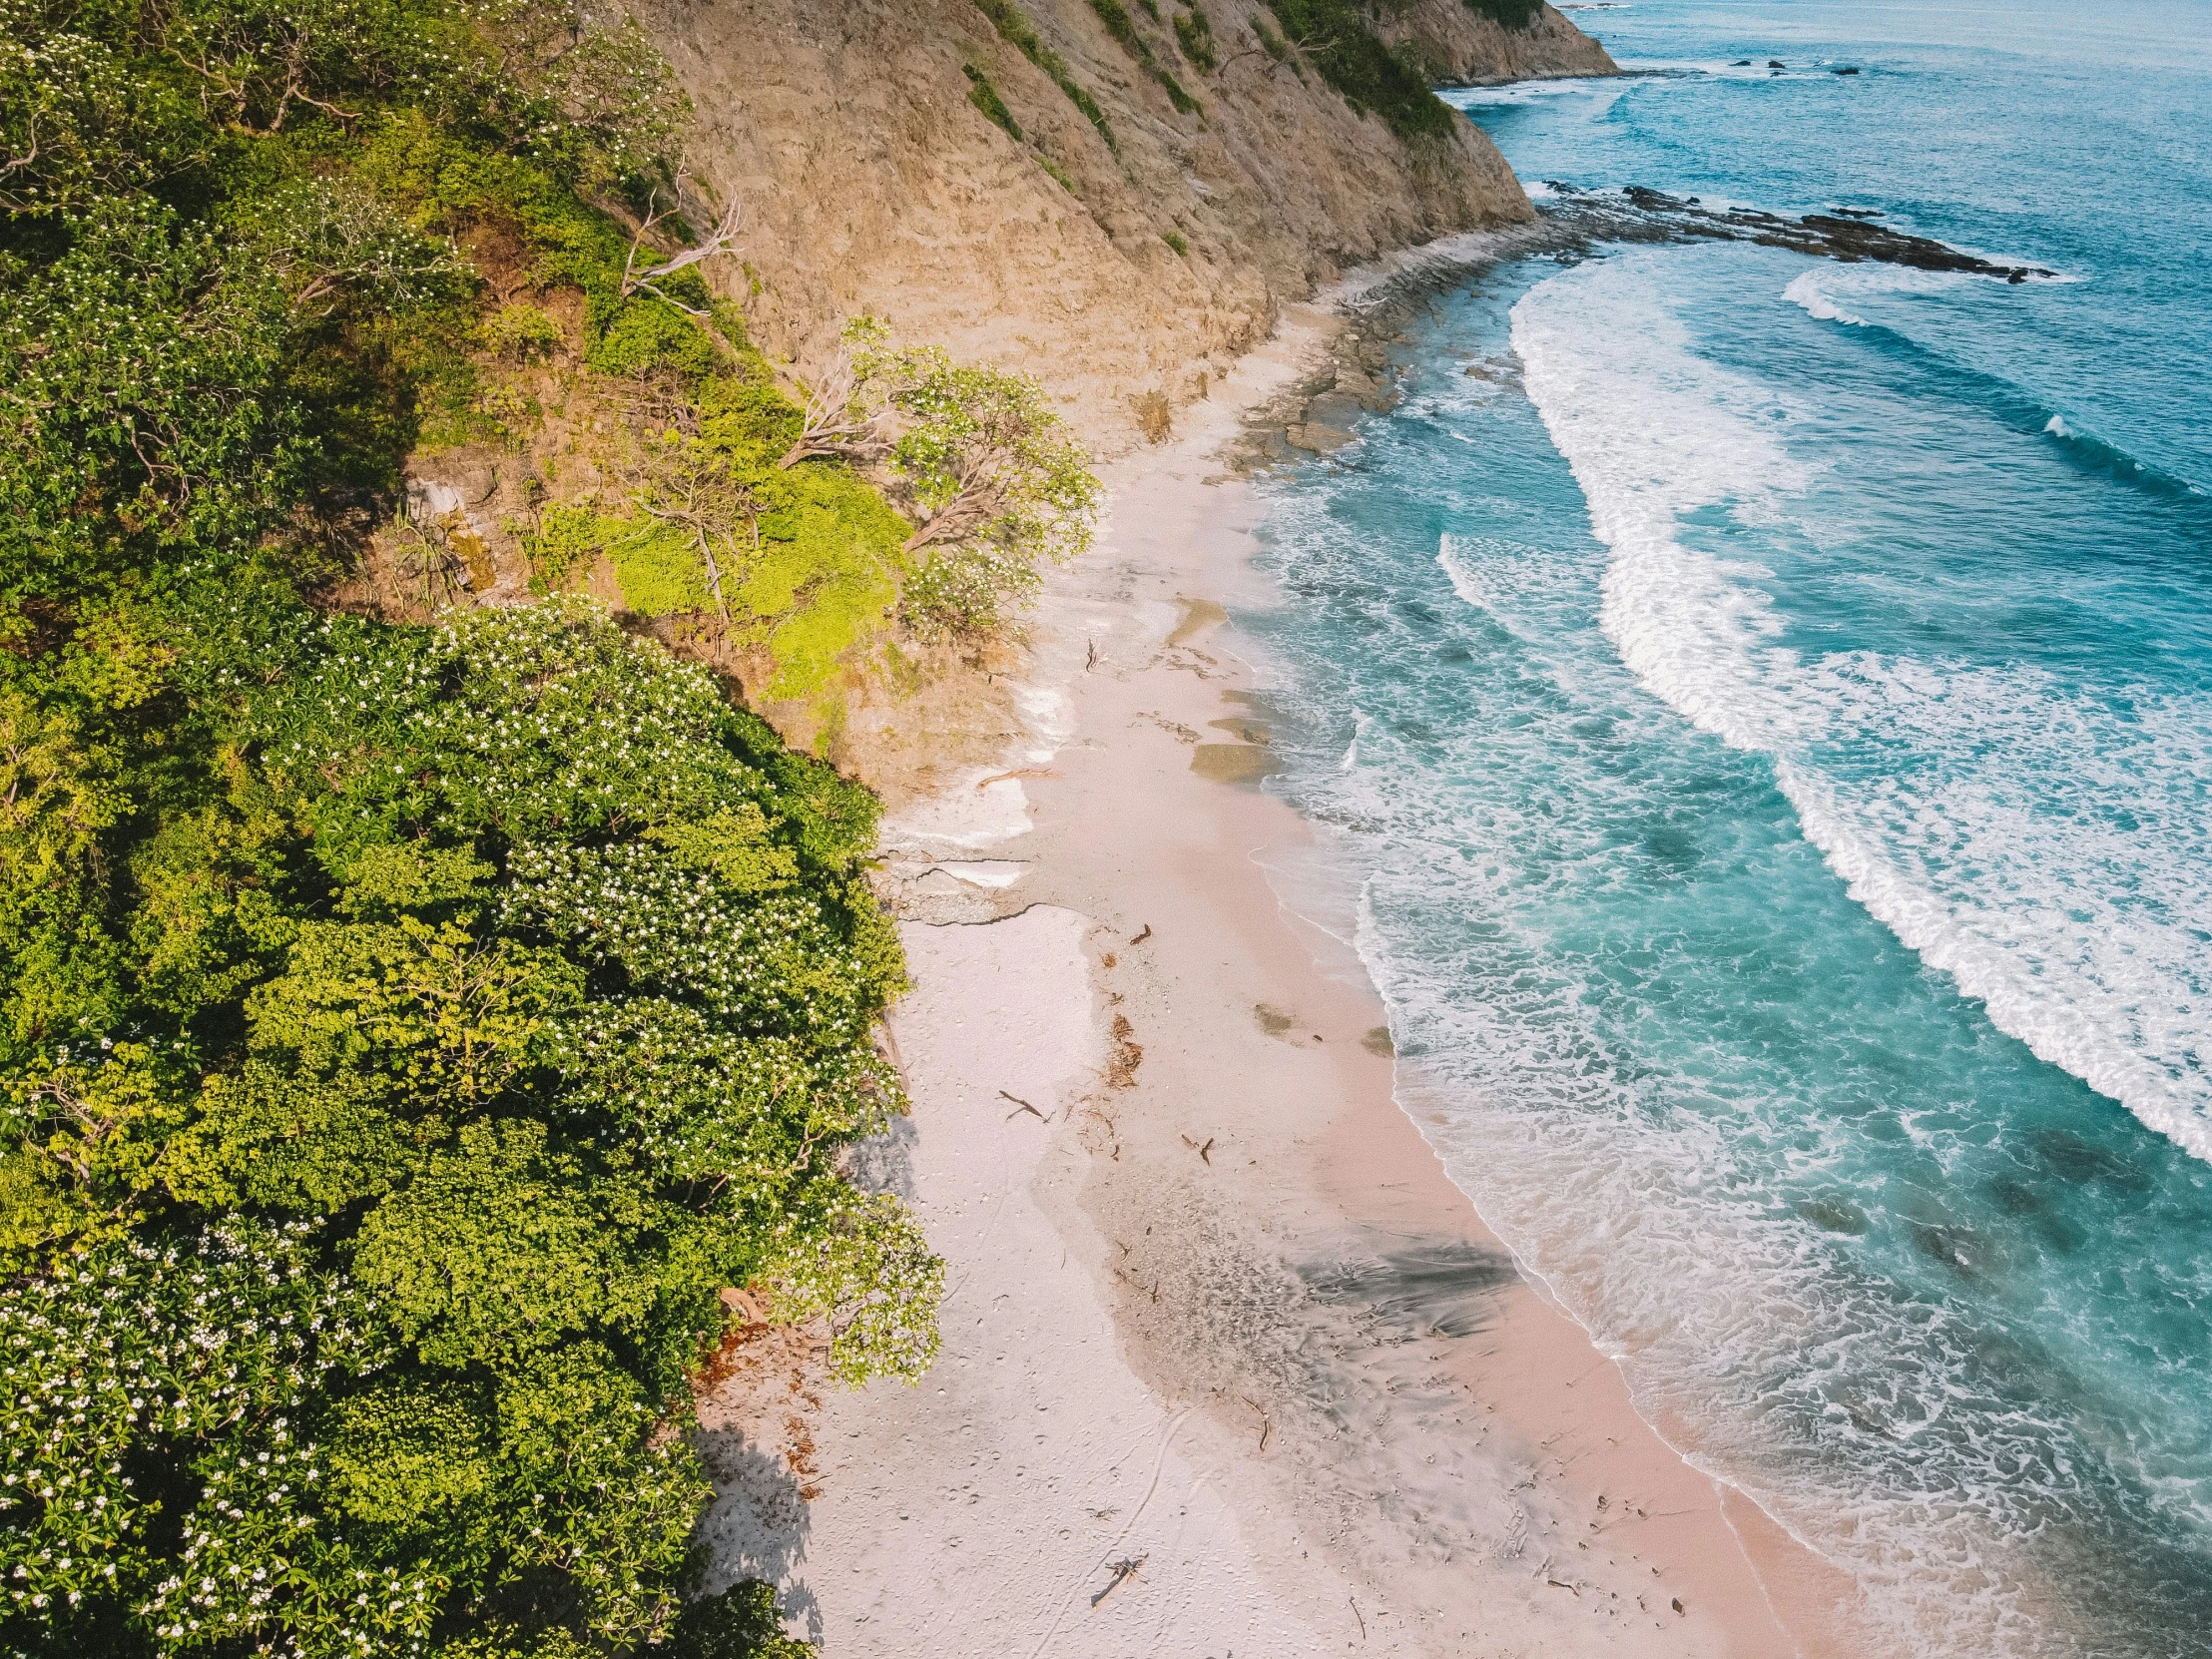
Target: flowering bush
[(405, 1032), (992, 472), (361, 1266), (209, 1351)]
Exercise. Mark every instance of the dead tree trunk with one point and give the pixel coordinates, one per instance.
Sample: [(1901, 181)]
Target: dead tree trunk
[(829, 426)]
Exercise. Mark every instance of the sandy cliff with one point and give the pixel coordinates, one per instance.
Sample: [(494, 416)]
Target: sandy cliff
[(871, 182), (1459, 45)]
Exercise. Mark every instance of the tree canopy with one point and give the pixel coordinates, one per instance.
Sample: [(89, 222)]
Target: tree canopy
[(388, 1103), (406, 1031)]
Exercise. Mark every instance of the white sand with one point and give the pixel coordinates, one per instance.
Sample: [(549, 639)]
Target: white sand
[(983, 1511)]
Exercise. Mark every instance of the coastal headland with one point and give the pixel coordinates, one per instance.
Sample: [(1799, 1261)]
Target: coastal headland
[(848, 828)]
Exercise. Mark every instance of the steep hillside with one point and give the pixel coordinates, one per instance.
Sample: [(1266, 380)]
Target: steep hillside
[(1459, 42), (1180, 170)]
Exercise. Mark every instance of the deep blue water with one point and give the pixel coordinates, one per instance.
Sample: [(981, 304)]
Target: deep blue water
[(1766, 705)]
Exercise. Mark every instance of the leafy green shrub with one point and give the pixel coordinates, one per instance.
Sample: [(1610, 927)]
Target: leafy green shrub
[(740, 1623), (967, 593), (649, 334), (1194, 32), (1014, 27), (981, 460), (1118, 24), (522, 330), (1334, 36), (986, 455), (1184, 103), (546, 1020), (809, 559), (568, 536), (657, 567), (986, 98), (1275, 46), (1177, 241)]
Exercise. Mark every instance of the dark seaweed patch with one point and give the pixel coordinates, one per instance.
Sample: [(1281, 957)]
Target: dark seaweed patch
[(1955, 1247), (1837, 1215), (2071, 1158)]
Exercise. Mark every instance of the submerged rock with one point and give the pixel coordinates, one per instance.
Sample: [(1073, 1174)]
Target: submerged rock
[(1315, 439), (1654, 215)]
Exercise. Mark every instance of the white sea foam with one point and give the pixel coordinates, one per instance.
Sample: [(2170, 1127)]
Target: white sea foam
[(1805, 291), (2081, 939), (1519, 588), (1826, 289), (1868, 1423), (1603, 91)]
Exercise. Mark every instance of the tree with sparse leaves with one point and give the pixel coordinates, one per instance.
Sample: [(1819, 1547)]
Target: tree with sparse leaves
[(998, 484)]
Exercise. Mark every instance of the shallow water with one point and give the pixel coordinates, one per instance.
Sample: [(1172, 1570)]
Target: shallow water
[(1766, 705)]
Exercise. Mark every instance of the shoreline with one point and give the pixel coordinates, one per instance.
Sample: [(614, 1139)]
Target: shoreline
[(1206, 1255)]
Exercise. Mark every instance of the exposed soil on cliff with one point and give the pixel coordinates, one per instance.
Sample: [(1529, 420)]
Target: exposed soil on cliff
[(873, 181), (1459, 44)]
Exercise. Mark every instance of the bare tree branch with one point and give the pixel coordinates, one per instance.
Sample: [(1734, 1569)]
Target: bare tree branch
[(979, 499), (635, 281), (681, 486), (832, 424), (694, 521)]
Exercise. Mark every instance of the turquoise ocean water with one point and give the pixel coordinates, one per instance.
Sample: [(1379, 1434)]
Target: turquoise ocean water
[(1767, 710)]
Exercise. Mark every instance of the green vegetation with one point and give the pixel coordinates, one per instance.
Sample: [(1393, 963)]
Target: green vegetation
[(1194, 32), (1334, 37), (985, 97), (406, 1032), (1275, 46), (1184, 103), (455, 1012), (1513, 14), (1118, 24), (993, 477), (741, 1624), (1017, 31), (1177, 241)]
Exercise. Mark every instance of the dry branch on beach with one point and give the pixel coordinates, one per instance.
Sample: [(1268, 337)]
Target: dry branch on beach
[(1124, 1570)]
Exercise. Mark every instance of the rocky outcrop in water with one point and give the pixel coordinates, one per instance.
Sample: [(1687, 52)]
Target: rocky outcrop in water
[(1849, 234)]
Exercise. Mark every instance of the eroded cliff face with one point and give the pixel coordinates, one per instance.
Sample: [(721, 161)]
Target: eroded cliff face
[(1459, 45), (871, 181)]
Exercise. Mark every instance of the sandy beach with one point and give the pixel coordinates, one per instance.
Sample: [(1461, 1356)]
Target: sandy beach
[(1230, 1366)]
